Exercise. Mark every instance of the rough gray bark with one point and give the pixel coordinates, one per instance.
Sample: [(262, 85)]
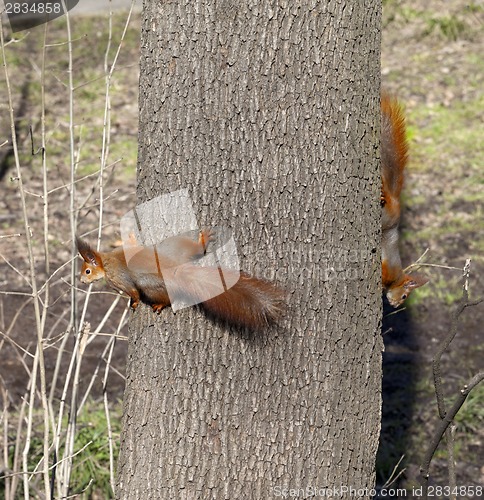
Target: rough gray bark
[(268, 112)]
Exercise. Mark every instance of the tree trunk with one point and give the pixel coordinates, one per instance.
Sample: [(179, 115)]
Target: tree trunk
[(268, 113)]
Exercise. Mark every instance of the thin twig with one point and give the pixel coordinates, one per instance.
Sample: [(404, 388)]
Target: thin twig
[(15, 235), (394, 475), (5, 419)]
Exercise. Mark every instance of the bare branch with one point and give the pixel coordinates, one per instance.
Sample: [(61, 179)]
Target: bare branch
[(447, 417)]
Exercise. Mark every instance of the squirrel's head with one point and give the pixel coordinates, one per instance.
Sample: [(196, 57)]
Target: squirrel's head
[(92, 268), (399, 293)]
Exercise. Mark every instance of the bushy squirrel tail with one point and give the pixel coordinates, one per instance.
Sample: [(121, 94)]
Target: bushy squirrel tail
[(394, 145), (251, 302)]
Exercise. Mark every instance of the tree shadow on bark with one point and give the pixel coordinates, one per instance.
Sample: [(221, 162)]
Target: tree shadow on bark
[(401, 369)]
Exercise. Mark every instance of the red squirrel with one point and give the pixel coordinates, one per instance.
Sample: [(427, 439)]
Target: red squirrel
[(394, 156), (252, 303)]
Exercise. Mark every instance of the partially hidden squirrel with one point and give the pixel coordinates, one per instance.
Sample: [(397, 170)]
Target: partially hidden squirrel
[(251, 302), (394, 155)]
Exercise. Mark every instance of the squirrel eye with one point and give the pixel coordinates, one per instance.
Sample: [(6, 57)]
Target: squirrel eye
[(404, 296), (88, 271)]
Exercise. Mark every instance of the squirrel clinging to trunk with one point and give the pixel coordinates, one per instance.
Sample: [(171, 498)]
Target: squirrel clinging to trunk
[(251, 302), (394, 155)]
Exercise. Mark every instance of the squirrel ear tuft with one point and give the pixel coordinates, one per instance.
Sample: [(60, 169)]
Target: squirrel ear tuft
[(415, 281), (87, 253)]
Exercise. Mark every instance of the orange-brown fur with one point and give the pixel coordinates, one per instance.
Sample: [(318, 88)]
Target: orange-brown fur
[(251, 302), (394, 156)]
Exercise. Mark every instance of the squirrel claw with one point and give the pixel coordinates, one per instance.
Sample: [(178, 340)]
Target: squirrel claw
[(205, 237), (382, 199), (157, 308)]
